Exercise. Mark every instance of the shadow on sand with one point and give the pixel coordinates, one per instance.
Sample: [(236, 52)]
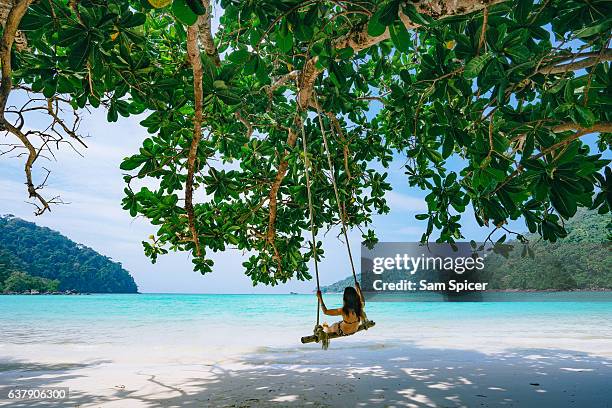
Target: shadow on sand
[(365, 375)]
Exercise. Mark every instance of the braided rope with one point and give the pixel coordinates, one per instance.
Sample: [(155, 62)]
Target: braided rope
[(311, 215)]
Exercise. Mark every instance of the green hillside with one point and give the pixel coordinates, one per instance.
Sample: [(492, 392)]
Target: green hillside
[(33, 257), (582, 260)]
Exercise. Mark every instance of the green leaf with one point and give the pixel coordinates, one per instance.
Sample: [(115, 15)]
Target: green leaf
[(375, 27), (70, 36), (197, 7), (134, 20), (228, 96), (475, 65), (112, 115), (595, 29), (133, 162), (448, 145), (252, 65), (565, 204), (50, 87), (303, 32), (541, 189), (400, 37), (79, 53), (522, 9), (568, 92), (183, 12), (587, 118), (345, 53), (518, 53), (415, 16), (239, 56), (389, 12), (284, 43)]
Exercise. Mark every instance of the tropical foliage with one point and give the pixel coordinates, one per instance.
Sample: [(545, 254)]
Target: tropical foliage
[(486, 100), (33, 257), (580, 261), (20, 282), (14, 280)]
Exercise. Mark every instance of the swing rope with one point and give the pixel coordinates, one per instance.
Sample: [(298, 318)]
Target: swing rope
[(333, 180), (311, 215)]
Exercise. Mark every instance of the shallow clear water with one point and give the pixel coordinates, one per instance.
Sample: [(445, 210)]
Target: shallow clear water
[(252, 321)]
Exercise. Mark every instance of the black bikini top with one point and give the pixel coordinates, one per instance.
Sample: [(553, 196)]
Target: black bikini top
[(356, 321)]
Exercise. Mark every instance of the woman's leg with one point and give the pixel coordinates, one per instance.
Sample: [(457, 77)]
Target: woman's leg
[(334, 328)]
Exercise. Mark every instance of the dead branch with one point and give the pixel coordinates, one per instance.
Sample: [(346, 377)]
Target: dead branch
[(13, 19)]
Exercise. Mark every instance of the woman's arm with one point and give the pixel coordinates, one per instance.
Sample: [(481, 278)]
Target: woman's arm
[(329, 312)]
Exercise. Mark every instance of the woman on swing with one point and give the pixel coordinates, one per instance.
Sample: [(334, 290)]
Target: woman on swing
[(351, 312)]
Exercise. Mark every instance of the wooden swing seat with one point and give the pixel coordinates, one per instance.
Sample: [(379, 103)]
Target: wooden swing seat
[(313, 338)]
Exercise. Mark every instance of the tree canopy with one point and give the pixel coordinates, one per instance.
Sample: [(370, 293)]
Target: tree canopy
[(507, 89)]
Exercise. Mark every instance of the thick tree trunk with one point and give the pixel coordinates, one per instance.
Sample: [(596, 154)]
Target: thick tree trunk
[(21, 42)]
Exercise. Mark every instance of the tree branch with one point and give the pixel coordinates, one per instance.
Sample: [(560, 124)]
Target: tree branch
[(359, 39), (589, 60), (205, 34), (282, 80), (193, 53), (603, 127), (13, 19), (306, 80), (345, 143), (246, 123)]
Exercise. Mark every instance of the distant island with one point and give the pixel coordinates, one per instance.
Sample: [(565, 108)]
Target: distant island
[(37, 259), (580, 261)]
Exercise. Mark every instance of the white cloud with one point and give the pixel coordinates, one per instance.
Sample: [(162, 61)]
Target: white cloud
[(402, 202), (412, 231)]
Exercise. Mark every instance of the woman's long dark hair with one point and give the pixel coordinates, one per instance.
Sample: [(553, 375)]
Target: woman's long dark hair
[(352, 302)]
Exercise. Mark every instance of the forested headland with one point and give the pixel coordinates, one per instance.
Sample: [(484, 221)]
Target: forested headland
[(38, 258), (581, 261)]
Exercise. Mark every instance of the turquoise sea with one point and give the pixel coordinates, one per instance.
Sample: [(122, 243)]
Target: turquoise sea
[(251, 321)]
